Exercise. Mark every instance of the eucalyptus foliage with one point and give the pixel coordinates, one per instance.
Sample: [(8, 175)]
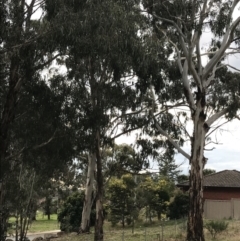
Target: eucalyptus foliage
[(199, 93)]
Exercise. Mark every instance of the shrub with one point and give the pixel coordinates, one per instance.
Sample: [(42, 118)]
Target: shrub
[(179, 207), (71, 213), (216, 227)]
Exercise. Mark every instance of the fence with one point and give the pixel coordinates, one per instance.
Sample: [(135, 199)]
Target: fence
[(168, 229), (220, 209)]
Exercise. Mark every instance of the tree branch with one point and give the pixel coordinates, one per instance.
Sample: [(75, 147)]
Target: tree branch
[(186, 85), (24, 149), (180, 150), (125, 132), (199, 59), (176, 48), (40, 66), (230, 66), (173, 23), (215, 117), (227, 39), (217, 127)]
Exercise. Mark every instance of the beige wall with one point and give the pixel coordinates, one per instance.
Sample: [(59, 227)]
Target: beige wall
[(219, 209), (236, 208)]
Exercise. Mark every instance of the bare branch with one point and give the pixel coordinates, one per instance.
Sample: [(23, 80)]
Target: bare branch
[(237, 117), (24, 149), (211, 149), (197, 34), (199, 59), (211, 78), (215, 117), (125, 132), (215, 128), (193, 71), (173, 23), (49, 61), (182, 126), (151, 112), (186, 85), (230, 66), (176, 48), (45, 143), (118, 123), (214, 52), (180, 150)]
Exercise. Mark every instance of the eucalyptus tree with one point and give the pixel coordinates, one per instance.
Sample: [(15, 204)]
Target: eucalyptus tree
[(25, 50), (98, 51), (122, 159), (204, 91), (24, 53), (40, 144)]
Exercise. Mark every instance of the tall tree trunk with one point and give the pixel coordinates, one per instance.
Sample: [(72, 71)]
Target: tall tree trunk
[(7, 117), (89, 196), (123, 219), (197, 161), (8, 113), (48, 203), (99, 198)]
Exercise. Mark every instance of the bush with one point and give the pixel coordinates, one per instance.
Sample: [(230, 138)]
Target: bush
[(71, 213), (179, 207), (216, 227)]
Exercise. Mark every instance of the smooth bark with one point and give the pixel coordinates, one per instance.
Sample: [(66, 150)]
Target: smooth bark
[(89, 194)]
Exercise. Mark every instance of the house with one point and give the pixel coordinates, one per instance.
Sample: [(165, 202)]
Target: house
[(221, 194)]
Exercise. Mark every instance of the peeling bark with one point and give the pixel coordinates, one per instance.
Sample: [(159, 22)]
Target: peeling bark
[(197, 161)]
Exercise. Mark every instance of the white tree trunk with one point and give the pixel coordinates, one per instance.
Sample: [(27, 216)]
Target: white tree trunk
[(89, 194), (197, 162)]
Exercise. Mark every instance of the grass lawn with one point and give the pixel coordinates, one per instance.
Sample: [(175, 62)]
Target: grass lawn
[(158, 231), (41, 223)]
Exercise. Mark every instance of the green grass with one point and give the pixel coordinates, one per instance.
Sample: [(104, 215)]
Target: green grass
[(41, 223)]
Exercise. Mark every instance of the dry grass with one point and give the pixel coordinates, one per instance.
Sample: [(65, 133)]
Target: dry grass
[(172, 231), (169, 230)]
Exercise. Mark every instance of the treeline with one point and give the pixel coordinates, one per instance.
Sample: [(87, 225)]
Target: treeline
[(129, 199)]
